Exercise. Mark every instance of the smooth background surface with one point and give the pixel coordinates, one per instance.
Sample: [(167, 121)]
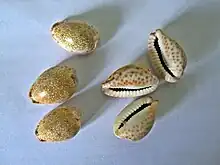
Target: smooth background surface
[(187, 126)]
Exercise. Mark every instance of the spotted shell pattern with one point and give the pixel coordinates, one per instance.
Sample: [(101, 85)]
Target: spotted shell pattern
[(136, 120), (60, 124), (130, 81), (55, 85), (75, 36), (167, 56)]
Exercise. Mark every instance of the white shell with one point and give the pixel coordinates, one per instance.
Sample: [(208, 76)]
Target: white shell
[(167, 56), (130, 81), (135, 121)]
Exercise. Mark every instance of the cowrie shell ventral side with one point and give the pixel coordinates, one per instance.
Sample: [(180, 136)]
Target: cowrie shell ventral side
[(167, 57), (136, 120), (130, 81)]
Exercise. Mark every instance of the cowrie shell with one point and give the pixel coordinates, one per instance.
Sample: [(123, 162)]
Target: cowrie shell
[(167, 56), (130, 81), (55, 85), (136, 120), (60, 124), (75, 36)]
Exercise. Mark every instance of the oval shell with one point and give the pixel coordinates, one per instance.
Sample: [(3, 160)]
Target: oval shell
[(167, 57), (77, 36), (130, 81), (59, 124), (136, 120), (55, 85)]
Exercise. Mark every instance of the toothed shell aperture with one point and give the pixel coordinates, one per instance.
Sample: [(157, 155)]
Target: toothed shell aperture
[(136, 120), (75, 36), (167, 57), (55, 85), (130, 81), (60, 124)]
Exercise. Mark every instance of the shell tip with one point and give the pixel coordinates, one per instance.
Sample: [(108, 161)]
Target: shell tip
[(41, 140), (156, 101), (32, 100), (36, 132), (35, 102), (54, 25)]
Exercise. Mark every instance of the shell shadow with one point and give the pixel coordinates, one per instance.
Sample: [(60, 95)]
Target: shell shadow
[(92, 104), (197, 30), (170, 95), (142, 61), (106, 19), (87, 67)]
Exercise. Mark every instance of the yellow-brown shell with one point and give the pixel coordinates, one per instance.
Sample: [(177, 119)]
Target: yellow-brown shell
[(77, 36), (136, 120), (55, 85), (130, 81), (60, 124), (167, 56)]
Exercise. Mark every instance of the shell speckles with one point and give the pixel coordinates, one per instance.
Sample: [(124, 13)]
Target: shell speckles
[(130, 81), (58, 125), (135, 121), (54, 85), (167, 56), (77, 37)]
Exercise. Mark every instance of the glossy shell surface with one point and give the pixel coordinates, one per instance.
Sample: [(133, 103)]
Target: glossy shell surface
[(130, 81), (59, 124), (55, 85), (77, 37), (136, 120), (167, 57)]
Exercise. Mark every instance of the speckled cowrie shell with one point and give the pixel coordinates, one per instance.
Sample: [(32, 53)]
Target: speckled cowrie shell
[(75, 36), (136, 120), (167, 57), (130, 81), (55, 85), (60, 124)]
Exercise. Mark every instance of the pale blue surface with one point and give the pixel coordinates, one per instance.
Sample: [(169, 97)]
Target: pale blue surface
[(187, 127)]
